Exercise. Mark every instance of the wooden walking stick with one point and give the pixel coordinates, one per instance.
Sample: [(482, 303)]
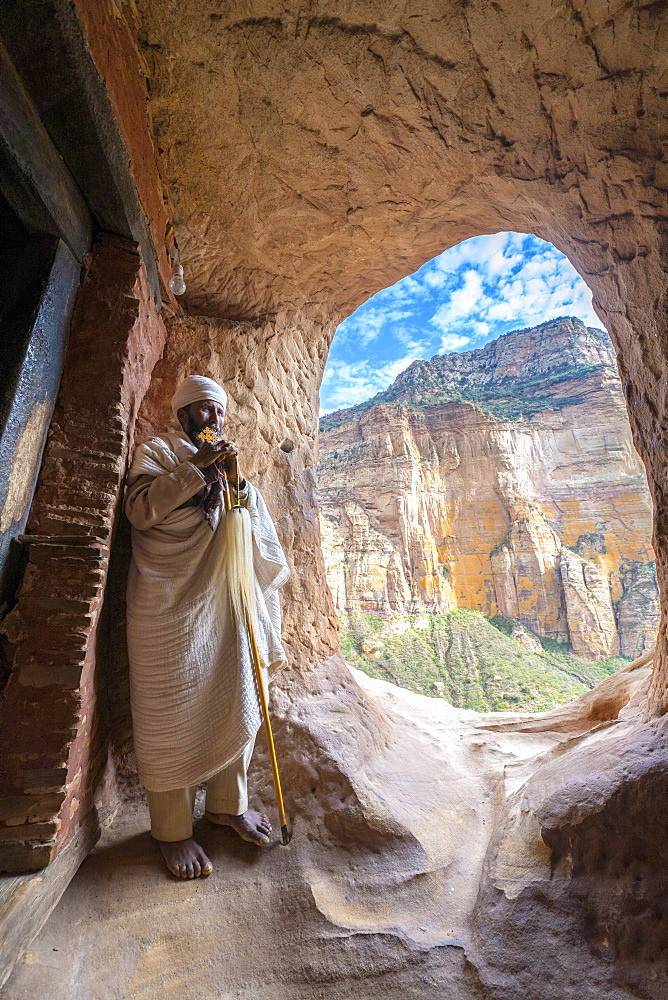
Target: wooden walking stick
[(241, 580), (264, 705)]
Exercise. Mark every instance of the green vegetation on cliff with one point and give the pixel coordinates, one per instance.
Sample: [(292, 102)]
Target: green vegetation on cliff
[(523, 372), (505, 399), (468, 659)]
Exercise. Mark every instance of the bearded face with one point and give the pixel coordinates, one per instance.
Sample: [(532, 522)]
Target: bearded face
[(201, 414)]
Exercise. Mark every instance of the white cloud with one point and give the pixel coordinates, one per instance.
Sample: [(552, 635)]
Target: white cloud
[(435, 278), (394, 315), (538, 291), (349, 383), (491, 254), (465, 296), (410, 340), (465, 300), (403, 291), (483, 273), (507, 278), (364, 326), (462, 303), (367, 324), (453, 341)]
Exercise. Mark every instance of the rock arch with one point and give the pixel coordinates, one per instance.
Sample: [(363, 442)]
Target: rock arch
[(317, 157), (312, 157)]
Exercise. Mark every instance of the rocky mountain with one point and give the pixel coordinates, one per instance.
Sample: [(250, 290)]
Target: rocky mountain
[(502, 480)]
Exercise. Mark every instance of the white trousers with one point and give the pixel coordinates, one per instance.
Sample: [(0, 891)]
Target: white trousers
[(226, 792)]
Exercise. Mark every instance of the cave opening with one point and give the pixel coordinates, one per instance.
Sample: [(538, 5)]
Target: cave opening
[(485, 517), (433, 854)]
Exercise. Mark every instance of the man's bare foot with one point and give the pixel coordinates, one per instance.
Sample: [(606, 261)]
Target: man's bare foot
[(251, 825), (185, 858)]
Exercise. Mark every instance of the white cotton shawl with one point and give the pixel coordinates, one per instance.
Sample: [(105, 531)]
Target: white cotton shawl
[(194, 703)]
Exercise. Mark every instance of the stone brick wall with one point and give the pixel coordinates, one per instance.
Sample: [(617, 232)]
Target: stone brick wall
[(53, 741)]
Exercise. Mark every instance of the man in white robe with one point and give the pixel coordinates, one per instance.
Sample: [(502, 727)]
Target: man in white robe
[(194, 704)]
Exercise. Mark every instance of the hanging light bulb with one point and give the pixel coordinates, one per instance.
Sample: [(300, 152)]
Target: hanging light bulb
[(176, 282)]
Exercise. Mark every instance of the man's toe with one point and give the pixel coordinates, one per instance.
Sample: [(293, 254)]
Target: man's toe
[(197, 869)]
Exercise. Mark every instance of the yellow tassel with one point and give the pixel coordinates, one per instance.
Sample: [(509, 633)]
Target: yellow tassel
[(239, 564)]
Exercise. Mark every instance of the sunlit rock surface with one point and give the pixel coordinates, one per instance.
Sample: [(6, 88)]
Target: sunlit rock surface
[(316, 154), (502, 480), (446, 854)]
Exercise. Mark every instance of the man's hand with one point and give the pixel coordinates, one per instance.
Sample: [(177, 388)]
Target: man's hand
[(221, 451)]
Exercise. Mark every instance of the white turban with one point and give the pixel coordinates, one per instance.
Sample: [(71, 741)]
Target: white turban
[(196, 387)]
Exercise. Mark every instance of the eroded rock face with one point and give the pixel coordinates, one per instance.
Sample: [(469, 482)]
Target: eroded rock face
[(317, 156), (436, 854), (314, 157), (532, 502), (270, 375), (578, 852)]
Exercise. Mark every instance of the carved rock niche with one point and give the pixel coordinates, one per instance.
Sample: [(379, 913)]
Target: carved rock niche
[(317, 158), (317, 155)]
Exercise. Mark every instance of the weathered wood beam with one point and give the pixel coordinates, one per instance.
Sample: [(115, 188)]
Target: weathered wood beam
[(33, 337), (33, 177), (26, 901), (49, 49)]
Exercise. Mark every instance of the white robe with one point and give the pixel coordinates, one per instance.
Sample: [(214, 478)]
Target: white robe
[(194, 704)]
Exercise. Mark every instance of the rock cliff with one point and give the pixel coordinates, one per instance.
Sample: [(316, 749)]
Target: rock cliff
[(315, 153), (503, 480)]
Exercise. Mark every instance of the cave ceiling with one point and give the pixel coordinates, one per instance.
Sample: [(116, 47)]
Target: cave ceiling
[(317, 152)]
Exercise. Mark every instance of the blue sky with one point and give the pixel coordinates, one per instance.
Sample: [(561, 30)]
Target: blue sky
[(456, 302)]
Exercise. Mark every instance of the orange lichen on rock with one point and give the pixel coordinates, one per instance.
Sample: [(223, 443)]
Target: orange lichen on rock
[(541, 514)]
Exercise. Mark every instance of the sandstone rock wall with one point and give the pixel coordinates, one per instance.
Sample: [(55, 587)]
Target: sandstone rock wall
[(316, 155), (270, 372), (428, 500)]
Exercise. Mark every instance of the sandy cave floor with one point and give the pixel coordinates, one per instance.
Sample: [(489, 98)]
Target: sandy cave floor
[(311, 920)]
